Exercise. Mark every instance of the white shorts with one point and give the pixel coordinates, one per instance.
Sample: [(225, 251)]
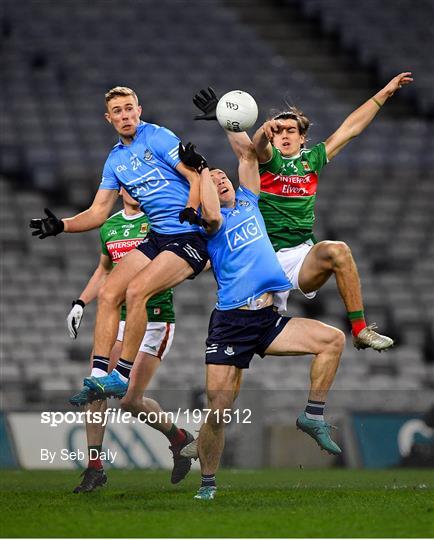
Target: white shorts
[(291, 260), (157, 340)]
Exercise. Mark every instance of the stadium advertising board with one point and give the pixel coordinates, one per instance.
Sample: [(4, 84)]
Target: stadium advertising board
[(389, 439), (63, 446)]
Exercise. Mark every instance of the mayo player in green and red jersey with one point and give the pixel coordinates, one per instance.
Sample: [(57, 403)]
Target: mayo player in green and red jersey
[(121, 233), (289, 179)]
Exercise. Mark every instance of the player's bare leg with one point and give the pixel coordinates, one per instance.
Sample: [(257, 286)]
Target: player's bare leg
[(191, 450), (165, 271), (326, 343), (162, 273), (222, 386), (110, 299), (306, 336), (327, 258), (145, 365), (94, 475)]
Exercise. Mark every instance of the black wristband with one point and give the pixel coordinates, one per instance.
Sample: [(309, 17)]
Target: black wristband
[(79, 302)]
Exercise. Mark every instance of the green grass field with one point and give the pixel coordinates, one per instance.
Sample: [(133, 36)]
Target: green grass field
[(265, 503)]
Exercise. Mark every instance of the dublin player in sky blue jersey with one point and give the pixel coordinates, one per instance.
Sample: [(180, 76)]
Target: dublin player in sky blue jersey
[(245, 321), (289, 179), (145, 162)]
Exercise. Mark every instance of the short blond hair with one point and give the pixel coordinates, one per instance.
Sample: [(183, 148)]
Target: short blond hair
[(120, 91)]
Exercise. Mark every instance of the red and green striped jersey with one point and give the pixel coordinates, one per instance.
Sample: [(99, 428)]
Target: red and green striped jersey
[(119, 235), (288, 193)]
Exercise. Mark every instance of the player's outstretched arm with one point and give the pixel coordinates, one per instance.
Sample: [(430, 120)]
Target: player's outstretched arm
[(91, 218), (95, 215), (358, 120), (206, 101), (248, 168), (240, 142), (89, 293), (210, 203), (262, 140)]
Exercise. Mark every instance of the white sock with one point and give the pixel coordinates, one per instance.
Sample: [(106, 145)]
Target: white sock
[(97, 372)]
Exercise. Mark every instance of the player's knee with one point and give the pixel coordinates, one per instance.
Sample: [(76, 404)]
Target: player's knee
[(336, 340), (219, 403), (109, 295), (135, 294), (338, 253), (130, 405), (220, 398)]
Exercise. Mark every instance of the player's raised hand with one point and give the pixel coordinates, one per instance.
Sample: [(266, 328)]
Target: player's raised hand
[(398, 82), (191, 158), (49, 226), (206, 101), (271, 127), (73, 320)]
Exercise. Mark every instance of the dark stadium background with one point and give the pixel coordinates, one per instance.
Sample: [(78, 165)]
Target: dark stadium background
[(327, 57)]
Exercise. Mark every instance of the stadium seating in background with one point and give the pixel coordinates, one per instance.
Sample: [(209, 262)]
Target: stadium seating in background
[(58, 60)]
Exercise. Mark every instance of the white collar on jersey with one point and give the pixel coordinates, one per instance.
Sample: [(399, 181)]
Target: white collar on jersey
[(291, 157), (134, 216)]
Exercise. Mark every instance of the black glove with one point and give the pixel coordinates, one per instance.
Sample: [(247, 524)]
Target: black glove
[(49, 226), (191, 158), (190, 214), (207, 103)]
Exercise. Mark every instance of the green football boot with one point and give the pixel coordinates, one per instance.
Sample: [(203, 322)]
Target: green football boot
[(320, 431)]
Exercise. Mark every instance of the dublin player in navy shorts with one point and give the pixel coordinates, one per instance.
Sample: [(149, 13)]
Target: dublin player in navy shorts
[(245, 320), (146, 164)]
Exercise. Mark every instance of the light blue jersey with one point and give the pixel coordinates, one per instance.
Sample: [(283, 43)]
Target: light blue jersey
[(243, 260), (146, 169)]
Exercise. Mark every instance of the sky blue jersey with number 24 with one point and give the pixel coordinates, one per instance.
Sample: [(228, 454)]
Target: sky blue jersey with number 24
[(243, 260), (146, 169)]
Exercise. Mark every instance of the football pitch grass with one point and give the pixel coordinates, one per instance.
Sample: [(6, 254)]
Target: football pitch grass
[(260, 503)]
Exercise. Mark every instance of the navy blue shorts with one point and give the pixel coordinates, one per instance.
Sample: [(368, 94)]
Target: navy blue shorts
[(235, 335), (189, 246)]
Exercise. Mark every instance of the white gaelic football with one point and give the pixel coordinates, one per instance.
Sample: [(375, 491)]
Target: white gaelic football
[(236, 111)]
